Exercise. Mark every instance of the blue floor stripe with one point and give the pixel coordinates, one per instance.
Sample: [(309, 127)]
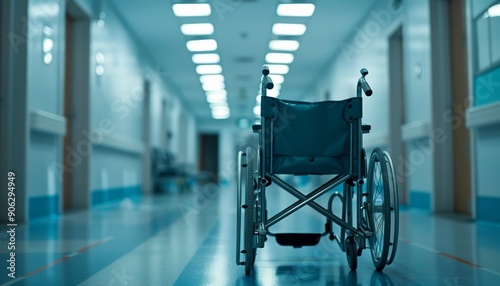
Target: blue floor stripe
[(202, 262)]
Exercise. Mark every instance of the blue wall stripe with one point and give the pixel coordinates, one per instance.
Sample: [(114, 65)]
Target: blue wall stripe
[(420, 200), (487, 87), (41, 206), (488, 208), (114, 194)]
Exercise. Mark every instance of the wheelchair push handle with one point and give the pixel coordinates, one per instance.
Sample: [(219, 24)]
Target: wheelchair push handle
[(266, 79), (265, 70), (363, 85)]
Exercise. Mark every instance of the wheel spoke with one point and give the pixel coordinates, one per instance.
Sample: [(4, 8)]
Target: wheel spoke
[(381, 185)]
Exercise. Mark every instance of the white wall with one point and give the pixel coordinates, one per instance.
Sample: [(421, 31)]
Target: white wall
[(369, 48), (44, 92), (483, 117), (116, 98)]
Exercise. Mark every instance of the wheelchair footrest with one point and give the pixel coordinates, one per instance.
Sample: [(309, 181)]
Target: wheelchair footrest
[(298, 239)]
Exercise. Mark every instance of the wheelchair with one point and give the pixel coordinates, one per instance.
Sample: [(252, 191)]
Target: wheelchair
[(317, 138)]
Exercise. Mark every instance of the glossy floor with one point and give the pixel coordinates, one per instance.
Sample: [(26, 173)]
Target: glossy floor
[(189, 239)]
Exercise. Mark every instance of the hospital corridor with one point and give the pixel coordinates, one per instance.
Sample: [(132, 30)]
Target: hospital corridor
[(249, 142)]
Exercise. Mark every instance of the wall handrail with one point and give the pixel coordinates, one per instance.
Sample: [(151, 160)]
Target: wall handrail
[(120, 143), (483, 115), (415, 130), (47, 122)]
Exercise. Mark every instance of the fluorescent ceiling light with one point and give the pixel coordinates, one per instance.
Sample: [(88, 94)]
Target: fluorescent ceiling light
[(256, 110), (211, 78), (221, 109), (494, 11), (258, 99), (201, 45), (295, 10), (213, 99), (221, 116), (284, 45), (218, 104), (197, 29), (192, 9), (273, 92), (205, 58), (213, 85), (217, 92), (279, 58), (278, 69), (289, 29), (220, 112), (208, 69), (277, 78), (276, 86), (216, 96)]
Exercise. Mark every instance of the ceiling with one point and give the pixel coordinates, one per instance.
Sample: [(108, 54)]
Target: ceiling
[(242, 31)]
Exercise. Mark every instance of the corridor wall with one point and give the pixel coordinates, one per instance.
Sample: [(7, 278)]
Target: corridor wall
[(483, 114), (368, 46), (116, 142)]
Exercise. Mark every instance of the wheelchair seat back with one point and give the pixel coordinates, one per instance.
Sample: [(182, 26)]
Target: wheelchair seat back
[(310, 137)]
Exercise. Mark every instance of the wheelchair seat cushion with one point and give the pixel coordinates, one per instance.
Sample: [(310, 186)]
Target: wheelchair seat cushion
[(310, 137)]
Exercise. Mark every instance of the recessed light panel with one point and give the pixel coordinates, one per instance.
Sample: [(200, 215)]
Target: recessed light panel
[(278, 69), (218, 104), (284, 45), (256, 110), (221, 116), (279, 58), (295, 10), (282, 29), (201, 45), (197, 29), (216, 98), (277, 78), (192, 9), (273, 92), (211, 78), (213, 85), (208, 69), (205, 58), (220, 112), (494, 11)]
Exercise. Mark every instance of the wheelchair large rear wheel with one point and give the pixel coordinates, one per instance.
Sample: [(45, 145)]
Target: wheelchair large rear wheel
[(394, 201), (380, 187), (250, 214)]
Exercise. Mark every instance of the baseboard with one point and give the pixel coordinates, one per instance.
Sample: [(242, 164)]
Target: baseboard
[(421, 200), (488, 208), (114, 194), (42, 206)]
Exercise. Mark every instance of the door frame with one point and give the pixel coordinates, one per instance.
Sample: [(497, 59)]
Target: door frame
[(442, 200), (396, 145), (464, 199), (147, 179), (79, 115)]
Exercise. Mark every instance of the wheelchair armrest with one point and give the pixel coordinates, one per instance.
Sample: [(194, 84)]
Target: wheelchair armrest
[(366, 128), (256, 128)]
